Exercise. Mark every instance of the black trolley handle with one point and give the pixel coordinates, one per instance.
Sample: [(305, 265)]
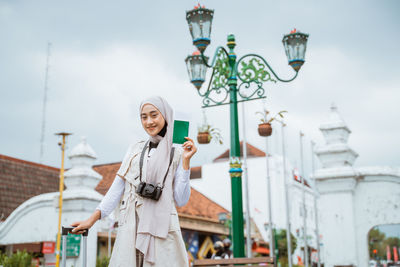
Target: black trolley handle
[(66, 230)]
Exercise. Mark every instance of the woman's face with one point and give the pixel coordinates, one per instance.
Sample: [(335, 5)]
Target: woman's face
[(152, 119)]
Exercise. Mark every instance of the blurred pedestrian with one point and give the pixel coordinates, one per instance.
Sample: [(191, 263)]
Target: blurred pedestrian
[(228, 254), (219, 250)]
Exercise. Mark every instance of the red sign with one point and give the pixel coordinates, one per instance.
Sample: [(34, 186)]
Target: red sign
[(395, 254), (48, 247), (388, 254)]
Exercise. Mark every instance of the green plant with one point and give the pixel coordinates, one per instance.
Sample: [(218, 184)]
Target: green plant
[(19, 259), (102, 262), (282, 246), (214, 133), (2, 258), (264, 115)]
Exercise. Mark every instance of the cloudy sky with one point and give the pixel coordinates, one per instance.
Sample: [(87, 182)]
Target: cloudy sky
[(106, 56)]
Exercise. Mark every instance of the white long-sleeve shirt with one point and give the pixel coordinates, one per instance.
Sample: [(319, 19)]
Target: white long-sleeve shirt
[(181, 190)]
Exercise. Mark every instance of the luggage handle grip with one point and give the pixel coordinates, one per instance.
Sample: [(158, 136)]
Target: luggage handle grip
[(66, 230)]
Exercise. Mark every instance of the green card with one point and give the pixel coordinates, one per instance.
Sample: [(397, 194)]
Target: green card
[(181, 130)]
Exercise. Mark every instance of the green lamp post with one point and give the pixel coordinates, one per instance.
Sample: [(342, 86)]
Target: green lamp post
[(233, 81)]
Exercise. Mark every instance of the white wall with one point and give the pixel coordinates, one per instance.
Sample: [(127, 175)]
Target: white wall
[(377, 201), (36, 220), (337, 227), (33, 221)]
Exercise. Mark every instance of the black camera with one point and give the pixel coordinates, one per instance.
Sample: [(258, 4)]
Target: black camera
[(149, 191)]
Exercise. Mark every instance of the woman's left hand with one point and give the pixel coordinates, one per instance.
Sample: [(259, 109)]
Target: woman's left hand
[(189, 149)]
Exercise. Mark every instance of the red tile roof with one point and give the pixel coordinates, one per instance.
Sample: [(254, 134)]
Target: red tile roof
[(252, 151), (108, 171), (201, 206), (21, 180)]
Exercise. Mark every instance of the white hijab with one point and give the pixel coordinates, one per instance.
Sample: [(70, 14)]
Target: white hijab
[(155, 215)]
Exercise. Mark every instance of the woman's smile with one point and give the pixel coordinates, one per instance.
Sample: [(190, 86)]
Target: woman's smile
[(152, 119)]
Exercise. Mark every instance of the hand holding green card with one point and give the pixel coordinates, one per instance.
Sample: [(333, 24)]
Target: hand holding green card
[(181, 130)]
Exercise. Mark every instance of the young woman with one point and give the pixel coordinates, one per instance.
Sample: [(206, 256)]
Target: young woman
[(153, 177)]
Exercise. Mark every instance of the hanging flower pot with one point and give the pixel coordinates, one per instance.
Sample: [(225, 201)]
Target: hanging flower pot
[(207, 133), (264, 129), (203, 137)]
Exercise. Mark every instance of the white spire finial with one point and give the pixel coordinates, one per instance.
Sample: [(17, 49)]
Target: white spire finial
[(336, 152), (81, 174), (83, 149)]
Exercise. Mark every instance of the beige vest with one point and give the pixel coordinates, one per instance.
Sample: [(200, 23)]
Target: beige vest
[(170, 251)]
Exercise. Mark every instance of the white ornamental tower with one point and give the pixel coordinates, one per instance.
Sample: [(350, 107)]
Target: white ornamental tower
[(80, 197), (352, 200), (81, 176), (336, 183)]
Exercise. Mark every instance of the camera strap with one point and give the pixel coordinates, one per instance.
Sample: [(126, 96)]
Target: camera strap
[(141, 159), (171, 157)]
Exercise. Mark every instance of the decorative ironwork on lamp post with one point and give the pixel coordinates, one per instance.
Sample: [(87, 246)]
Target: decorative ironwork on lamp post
[(233, 81)]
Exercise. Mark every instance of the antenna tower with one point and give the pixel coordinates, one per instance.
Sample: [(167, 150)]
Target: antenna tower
[(45, 102)]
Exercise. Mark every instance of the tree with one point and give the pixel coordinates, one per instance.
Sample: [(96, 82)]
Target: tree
[(392, 242), (282, 245), (375, 241), (378, 242)]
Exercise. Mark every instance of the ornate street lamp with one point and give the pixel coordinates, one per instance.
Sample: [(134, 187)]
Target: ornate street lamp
[(295, 44), (251, 71), (199, 20), (196, 69)]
